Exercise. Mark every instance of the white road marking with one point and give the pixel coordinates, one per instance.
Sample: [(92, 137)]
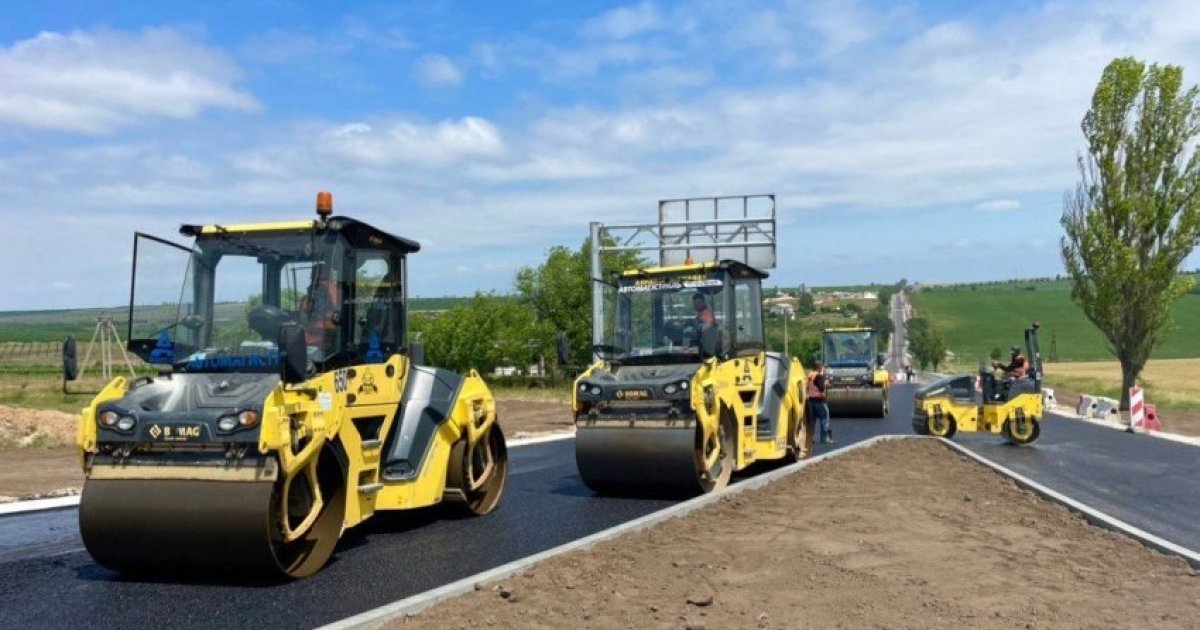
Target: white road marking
[(37, 505)]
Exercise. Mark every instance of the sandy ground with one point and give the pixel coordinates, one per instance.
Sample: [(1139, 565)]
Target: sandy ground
[(906, 534), (521, 418), (22, 427), (33, 470)]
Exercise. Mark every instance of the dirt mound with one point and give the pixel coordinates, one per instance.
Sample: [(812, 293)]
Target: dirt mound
[(905, 534), (23, 428)]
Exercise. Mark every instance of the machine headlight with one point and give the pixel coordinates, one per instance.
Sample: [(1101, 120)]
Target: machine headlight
[(672, 388), (589, 389), (108, 418), (125, 423), (247, 418), (242, 420)]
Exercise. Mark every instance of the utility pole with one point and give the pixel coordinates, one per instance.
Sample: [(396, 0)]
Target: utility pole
[(786, 353)]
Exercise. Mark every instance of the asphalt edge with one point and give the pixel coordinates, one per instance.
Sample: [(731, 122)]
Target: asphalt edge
[(1067, 413), (376, 617), (1092, 515), (58, 503)]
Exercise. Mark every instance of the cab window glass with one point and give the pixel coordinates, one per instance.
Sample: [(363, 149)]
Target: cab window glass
[(747, 304), (378, 301)]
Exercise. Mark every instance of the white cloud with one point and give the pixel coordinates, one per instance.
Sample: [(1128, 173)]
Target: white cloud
[(998, 205), (439, 70), (98, 81), (927, 126), (407, 142), (624, 22)]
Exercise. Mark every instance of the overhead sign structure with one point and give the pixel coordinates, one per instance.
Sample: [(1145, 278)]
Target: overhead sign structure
[(695, 229)]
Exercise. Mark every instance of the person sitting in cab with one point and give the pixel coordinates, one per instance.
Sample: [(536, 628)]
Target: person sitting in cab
[(704, 315), (1016, 367), (704, 322), (320, 309)]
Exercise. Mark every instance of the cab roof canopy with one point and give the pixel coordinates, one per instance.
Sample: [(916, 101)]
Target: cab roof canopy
[(735, 269), (359, 234)]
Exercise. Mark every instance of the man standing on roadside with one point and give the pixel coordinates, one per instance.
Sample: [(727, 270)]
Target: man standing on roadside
[(815, 388)]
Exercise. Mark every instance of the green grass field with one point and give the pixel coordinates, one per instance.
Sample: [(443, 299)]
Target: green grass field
[(54, 325), (994, 316)]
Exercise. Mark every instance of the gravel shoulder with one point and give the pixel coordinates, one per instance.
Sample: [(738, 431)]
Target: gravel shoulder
[(905, 534), (37, 459)]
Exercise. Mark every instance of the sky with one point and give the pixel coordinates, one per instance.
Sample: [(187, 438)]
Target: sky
[(929, 141)]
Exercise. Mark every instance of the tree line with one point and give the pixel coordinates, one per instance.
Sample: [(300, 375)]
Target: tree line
[(555, 298)]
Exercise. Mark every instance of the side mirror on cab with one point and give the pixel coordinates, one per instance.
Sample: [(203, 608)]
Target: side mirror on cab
[(560, 347), (294, 362), (416, 353), (69, 363)]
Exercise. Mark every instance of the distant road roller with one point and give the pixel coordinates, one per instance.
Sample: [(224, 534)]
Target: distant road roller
[(684, 393), (289, 406), (1011, 406), (858, 384)]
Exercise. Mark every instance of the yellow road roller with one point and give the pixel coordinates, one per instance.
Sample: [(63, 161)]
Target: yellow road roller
[(1007, 406), (858, 384), (288, 406), (684, 392)]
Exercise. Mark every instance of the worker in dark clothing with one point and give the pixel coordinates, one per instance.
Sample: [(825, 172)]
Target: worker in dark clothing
[(817, 383)]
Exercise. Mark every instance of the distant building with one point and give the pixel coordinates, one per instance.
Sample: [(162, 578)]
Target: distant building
[(783, 310)]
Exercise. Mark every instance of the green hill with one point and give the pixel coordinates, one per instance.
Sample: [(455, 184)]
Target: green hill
[(54, 325), (977, 318)]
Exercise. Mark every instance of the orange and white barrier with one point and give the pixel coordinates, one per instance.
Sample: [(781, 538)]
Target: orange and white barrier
[(1142, 417)]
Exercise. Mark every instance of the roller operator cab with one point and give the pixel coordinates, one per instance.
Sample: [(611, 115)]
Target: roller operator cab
[(858, 384), (985, 402), (684, 392), (289, 406)]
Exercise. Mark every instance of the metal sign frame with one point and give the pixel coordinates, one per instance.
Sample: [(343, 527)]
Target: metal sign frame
[(733, 227)]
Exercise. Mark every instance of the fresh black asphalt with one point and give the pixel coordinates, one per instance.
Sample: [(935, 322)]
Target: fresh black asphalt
[(48, 581)]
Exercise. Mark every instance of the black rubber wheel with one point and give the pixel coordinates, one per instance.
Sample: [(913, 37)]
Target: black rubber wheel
[(480, 473), (1022, 430), (941, 425), (718, 475)]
